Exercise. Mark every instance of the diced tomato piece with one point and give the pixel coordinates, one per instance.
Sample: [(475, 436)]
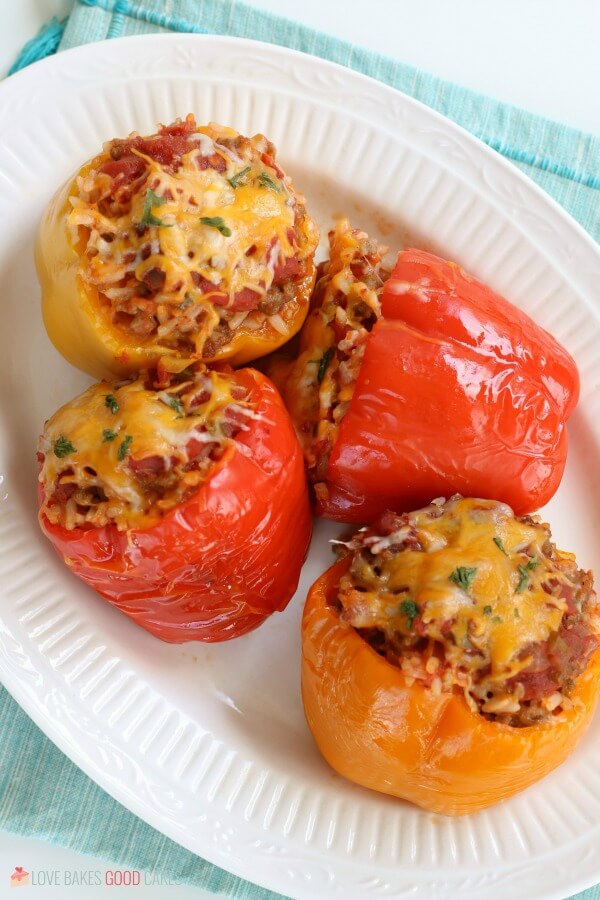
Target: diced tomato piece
[(286, 270), (64, 492), (215, 161), (537, 685), (199, 399), (573, 642), (419, 627), (196, 448), (245, 299), (126, 169), (149, 465), (567, 593), (185, 127), (166, 149)]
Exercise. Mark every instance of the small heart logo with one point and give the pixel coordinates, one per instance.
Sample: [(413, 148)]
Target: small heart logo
[(19, 877)]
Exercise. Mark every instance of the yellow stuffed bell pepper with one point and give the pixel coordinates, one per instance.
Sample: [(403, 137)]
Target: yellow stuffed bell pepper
[(190, 243)]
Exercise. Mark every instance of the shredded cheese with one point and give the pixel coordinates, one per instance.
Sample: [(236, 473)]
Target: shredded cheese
[(99, 442), (485, 586), (173, 263)]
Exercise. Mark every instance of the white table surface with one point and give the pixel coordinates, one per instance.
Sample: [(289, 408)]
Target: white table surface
[(539, 54)]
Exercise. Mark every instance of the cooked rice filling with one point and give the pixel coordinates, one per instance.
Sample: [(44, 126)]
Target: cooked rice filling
[(188, 235), (345, 306), (464, 596), (127, 454)]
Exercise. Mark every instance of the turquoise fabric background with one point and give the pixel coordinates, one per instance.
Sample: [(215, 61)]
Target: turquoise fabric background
[(42, 794)]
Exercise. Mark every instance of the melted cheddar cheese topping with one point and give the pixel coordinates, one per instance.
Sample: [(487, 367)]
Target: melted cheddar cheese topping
[(193, 239), (465, 539), (131, 452), (468, 577)]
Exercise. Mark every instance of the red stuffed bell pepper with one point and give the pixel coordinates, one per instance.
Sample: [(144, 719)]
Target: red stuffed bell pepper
[(421, 385), (180, 498)]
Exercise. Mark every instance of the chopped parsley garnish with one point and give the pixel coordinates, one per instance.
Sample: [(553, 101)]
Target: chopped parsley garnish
[(463, 576), (500, 545), (267, 181), (516, 612), (216, 222), (410, 610), (523, 580), (325, 360), (236, 179), (175, 404), (150, 202), (124, 447), (108, 435), (63, 447), (487, 610), (110, 401), (497, 620)]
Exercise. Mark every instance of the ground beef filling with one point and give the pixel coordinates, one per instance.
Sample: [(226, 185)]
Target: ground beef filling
[(173, 259), (344, 308), (515, 657), (94, 475), (351, 308)]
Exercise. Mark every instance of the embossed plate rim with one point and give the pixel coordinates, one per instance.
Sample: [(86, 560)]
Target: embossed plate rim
[(79, 63)]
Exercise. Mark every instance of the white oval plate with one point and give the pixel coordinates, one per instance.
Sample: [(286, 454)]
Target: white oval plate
[(208, 743)]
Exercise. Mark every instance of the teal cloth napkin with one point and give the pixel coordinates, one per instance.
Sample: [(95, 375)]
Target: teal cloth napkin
[(42, 794)]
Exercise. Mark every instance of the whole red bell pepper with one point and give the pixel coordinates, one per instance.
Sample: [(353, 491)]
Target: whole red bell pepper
[(458, 391), (216, 565)]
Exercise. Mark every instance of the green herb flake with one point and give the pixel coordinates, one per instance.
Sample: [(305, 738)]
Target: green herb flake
[(523, 580), (266, 181), (516, 612), (152, 200), (497, 620), (124, 447), (175, 404), (110, 401), (324, 362), (532, 564), (463, 576), (500, 545), (63, 447), (108, 435), (487, 610), (237, 179), (218, 223), (410, 610)]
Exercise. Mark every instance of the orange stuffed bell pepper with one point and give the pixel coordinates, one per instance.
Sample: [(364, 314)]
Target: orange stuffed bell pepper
[(191, 242), (180, 498), (452, 659), (422, 384)]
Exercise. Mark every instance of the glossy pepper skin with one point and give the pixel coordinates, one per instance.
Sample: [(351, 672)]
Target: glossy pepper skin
[(80, 331), (403, 740), (459, 391), (219, 564)]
